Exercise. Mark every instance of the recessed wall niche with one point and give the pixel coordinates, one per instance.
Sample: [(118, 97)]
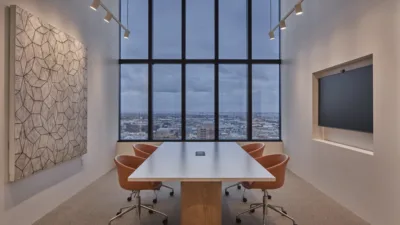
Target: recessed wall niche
[(348, 139), (48, 96)]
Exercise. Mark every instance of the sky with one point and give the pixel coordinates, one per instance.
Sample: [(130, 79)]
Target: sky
[(199, 45)]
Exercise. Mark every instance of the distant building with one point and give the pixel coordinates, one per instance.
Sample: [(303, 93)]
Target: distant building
[(166, 133), (205, 131)]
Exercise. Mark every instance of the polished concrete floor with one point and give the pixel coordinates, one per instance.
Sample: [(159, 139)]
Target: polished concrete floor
[(96, 204)]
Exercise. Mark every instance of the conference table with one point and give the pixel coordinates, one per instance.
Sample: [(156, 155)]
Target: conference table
[(201, 167)]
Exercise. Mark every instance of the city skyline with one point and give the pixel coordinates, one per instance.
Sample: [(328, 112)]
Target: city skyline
[(265, 126)]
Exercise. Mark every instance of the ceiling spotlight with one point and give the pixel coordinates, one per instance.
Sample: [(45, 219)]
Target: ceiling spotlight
[(108, 17), (271, 35), (282, 24), (126, 35), (298, 8), (95, 4)]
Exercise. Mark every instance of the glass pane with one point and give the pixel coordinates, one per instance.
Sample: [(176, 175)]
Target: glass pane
[(200, 29), (265, 102), (200, 102), (233, 102), (167, 102), (167, 29), (136, 47), (232, 29), (263, 47), (134, 102)]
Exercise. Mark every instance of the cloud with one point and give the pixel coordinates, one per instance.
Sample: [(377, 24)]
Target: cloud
[(134, 102), (200, 102), (200, 29), (167, 103), (199, 44), (266, 77), (200, 78), (167, 78), (134, 77), (137, 44)]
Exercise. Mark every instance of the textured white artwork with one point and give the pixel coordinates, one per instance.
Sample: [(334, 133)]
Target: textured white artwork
[(48, 96)]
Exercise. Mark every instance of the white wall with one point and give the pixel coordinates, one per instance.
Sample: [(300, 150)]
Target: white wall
[(25, 201), (329, 33)]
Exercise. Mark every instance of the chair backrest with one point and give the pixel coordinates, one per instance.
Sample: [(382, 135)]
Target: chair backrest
[(147, 148), (140, 153), (126, 165), (276, 165), (253, 147), (257, 153)]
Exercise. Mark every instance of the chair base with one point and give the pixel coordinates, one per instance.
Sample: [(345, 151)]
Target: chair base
[(170, 188), (138, 206), (238, 185), (133, 194), (264, 205), (233, 185)]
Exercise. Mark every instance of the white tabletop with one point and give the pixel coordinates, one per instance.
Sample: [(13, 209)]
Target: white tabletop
[(177, 161)]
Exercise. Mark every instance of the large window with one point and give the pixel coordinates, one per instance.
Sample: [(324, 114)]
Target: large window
[(233, 107), (199, 70), (134, 88), (167, 117), (200, 121)]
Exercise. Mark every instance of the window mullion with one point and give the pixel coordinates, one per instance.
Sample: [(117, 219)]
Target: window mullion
[(249, 71), (150, 70), (216, 69), (183, 73)]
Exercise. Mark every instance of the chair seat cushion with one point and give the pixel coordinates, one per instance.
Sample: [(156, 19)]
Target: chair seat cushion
[(142, 186), (259, 185), (247, 185), (157, 185)]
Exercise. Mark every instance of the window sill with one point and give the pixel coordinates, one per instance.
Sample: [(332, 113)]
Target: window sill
[(157, 141), (351, 148)]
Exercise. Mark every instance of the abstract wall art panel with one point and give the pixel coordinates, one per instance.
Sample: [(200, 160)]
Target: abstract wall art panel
[(48, 96)]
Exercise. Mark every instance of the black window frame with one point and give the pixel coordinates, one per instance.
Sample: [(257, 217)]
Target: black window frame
[(249, 61)]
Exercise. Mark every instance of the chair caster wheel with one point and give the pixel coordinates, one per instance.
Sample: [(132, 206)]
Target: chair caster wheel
[(171, 193), (129, 199), (165, 221), (151, 211), (238, 220), (226, 193), (244, 199), (269, 197), (155, 201), (239, 187), (252, 211), (119, 212)]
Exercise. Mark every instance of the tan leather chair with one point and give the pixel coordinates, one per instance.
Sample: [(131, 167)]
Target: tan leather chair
[(255, 150), (143, 155), (144, 151), (253, 147), (140, 153), (257, 153), (126, 165), (147, 148), (276, 165)]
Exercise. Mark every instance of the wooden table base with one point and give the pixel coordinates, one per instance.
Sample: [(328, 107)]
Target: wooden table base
[(201, 203)]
